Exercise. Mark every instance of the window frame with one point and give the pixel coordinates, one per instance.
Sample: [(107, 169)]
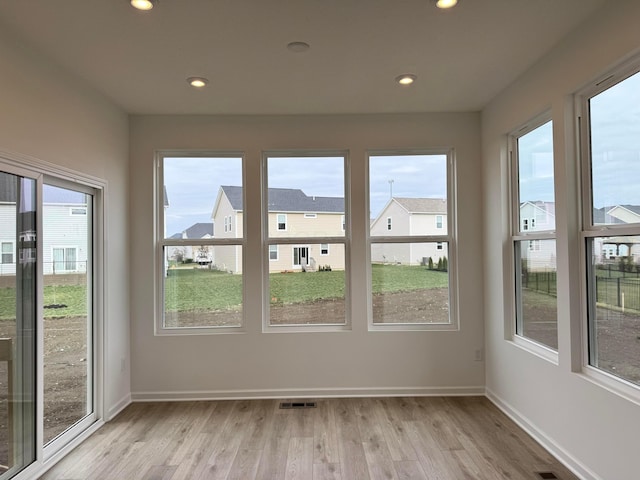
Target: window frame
[(3, 253), (161, 243), (589, 230), (285, 223), (325, 250), (520, 231), (450, 238), (304, 241), (439, 222), (276, 250)]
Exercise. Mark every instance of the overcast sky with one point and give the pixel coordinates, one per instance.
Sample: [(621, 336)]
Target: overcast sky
[(192, 183)]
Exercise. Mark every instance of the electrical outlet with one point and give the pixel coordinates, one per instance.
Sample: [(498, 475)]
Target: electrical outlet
[(478, 357), (123, 364)]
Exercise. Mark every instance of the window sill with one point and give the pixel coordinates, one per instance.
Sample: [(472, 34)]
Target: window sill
[(536, 349), (615, 385)]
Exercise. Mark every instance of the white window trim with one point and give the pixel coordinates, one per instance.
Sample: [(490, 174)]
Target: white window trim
[(441, 217), (13, 252), (64, 248), (305, 241), (286, 222), (580, 361), (449, 238), (75, 211), (161, 243), (522, 232), (277, 251), (327, 249)]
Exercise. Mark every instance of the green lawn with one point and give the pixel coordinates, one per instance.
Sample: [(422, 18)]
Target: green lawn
[(196, 289)]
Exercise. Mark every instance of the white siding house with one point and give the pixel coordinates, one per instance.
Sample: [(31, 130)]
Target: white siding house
[(65, 231), (405, 217)]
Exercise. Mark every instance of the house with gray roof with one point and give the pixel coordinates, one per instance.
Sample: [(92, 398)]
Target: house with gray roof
[(405, 217), (202, 255), (292, 213)]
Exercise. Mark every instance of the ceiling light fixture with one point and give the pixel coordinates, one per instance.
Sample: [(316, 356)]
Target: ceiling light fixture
[(446, 3), (298, 47), (197, 82), (406, 79), (144, 5)]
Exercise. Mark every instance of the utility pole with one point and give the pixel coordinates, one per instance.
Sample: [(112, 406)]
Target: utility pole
[(391, 188)]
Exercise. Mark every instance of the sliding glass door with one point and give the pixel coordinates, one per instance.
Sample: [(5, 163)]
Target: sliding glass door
[(18, 322), (47, 330)]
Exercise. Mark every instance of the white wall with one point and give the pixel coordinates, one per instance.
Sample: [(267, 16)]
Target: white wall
[(55, 118), (257, 363), (590, 427)]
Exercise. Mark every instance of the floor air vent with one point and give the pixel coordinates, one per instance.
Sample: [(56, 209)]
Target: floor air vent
[(547, 475), (299, 405)]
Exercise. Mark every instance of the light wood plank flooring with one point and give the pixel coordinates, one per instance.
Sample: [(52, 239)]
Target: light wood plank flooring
[(452, 438)]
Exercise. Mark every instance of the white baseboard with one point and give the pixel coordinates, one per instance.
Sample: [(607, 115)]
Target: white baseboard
[(118, 407), (306, 393), (568, 460)]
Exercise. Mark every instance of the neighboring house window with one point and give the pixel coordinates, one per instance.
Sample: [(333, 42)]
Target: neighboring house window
[(398, 261), (78, 211), (534, 249), (343, 222), (282, 221), (610, 121), (312, 293), (188, 281), (273, 252), (7, 252), (65, 259)]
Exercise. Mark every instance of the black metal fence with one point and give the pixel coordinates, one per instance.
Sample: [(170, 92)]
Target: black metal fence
[(541, 281), (623, 292)]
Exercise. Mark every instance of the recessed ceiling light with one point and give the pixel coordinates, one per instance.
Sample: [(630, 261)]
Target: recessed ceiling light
[(143, 4), (406, 79), (446, 3), (197, 82), (298, 47)]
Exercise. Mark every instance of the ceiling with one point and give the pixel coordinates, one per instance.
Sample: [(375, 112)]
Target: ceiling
[(462, 57)]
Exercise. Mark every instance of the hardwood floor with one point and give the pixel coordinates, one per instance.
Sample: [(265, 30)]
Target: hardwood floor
[(452, 438)]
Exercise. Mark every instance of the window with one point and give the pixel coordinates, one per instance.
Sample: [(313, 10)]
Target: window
[(412, 271), (304, 291), (200, 281), (273, 252), (343, 222), (310, 215), (7, 252), (534, 246), (610, 120), (64, 259), (282, 221), (78, 211)]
